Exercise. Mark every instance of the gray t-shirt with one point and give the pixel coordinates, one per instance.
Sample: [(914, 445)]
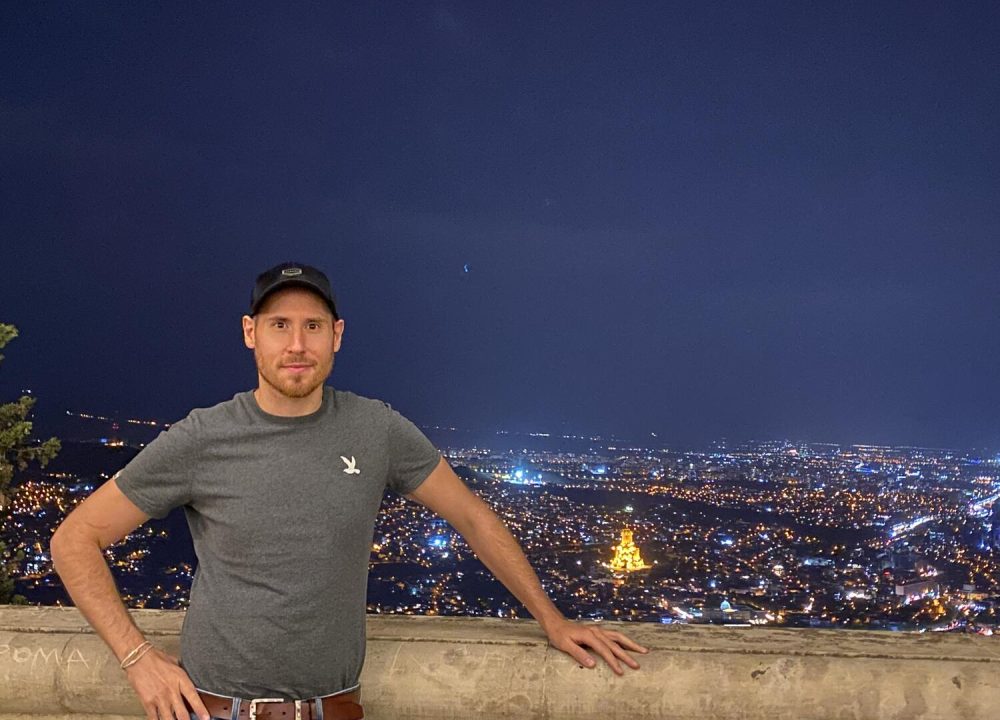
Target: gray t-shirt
[(282, 512)]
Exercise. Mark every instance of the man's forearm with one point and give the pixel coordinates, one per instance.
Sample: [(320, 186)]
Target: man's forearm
[(87, 578), (490, 539)]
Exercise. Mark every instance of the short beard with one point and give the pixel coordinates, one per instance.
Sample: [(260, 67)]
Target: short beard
[(292, 387)]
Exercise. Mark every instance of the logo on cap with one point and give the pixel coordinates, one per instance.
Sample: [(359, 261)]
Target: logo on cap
[(292, 272)]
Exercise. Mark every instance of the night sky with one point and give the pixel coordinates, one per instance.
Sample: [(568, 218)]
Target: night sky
[(751, 220)]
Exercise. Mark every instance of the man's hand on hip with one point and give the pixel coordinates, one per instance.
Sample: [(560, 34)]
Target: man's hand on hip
[(163, 686), (572, 637)]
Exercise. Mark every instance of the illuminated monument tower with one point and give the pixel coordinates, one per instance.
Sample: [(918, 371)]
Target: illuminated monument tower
[(627, 558)]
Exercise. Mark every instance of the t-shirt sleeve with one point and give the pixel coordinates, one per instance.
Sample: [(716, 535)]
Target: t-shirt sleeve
[(412, 457), (159, 478)]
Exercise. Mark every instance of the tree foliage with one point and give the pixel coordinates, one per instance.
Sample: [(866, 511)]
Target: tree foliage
[(17, 450)]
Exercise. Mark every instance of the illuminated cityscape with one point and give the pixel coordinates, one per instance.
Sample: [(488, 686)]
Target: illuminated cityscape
[(774, 533)]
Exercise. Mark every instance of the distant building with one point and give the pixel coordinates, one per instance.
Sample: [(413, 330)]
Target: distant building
[(627, 557), (995, 526), (917, 588), (729, 614)]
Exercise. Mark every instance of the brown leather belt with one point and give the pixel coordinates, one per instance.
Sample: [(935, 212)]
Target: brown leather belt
[(344, 706)]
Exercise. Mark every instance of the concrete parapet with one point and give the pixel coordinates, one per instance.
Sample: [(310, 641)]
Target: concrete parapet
[(52, 665)]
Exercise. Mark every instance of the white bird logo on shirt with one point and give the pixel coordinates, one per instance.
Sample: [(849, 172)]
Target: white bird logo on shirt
[(350, 469)]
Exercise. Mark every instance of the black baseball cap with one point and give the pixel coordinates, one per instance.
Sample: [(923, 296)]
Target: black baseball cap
[(292, 274)]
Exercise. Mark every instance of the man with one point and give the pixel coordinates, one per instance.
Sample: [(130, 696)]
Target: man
[(281, 486)]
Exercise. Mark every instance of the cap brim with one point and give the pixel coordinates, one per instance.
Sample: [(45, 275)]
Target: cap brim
[(292, 282)]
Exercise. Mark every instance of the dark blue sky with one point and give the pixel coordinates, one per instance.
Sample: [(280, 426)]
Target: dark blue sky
[(752, 221)]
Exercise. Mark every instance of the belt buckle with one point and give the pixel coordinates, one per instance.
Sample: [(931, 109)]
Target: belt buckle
[(253, 706)]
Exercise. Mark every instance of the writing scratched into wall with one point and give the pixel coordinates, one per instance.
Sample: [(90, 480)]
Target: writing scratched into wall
[(41, 656)]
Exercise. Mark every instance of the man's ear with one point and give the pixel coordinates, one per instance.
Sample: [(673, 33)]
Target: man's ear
[(338, 334), (248, 332)]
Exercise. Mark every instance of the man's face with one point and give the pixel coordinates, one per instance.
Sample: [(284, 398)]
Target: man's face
[(294, 338)]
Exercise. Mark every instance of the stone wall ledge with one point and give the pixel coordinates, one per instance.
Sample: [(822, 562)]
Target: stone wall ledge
[(52, 665)]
